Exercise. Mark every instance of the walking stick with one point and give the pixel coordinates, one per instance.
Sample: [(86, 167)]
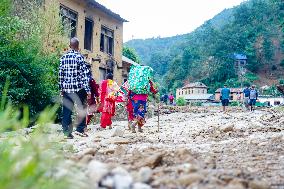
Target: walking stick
[(158, 116)]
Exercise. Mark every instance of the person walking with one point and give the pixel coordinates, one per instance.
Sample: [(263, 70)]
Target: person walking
[(225, 97), (107, 100), (253, 97), (74, 87), (166, 99), (139, 104), (171, 98), (246, 93)]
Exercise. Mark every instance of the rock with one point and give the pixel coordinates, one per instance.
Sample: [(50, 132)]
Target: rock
[(120, 171), (120, 141), (86, 159), (258, 184), (108, 182), (187, 168), (227, 128), (187, 180), (139, 185), (122, 181), (96, 171), (119, 151), (235, 184), (152, 161), (88, 151), (106, 151), (145, 174), (117, 131)]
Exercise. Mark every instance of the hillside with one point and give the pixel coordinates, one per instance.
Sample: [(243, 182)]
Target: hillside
[(254, 28)]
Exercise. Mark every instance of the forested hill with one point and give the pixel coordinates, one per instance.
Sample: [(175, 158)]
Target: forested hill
[(254, 28)]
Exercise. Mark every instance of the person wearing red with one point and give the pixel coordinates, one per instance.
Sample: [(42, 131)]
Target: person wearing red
[(107, 100), (139, 104)]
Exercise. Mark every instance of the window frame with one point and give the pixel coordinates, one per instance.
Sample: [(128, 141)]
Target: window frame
[(69, 18), (91, 35), (105, 40)]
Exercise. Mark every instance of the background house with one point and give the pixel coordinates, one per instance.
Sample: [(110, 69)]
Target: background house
[(194, 92), (236, 94), (100, 32)]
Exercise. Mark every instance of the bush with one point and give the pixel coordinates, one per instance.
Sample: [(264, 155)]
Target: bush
[(181, 101), (196, 104), (30, 160), (30, 50), (235, 103)]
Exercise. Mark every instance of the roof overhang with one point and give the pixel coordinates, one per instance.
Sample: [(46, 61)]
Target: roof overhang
[(107, 11)]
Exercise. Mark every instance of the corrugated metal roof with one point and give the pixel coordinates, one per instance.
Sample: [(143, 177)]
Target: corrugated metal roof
[(240, 56), (196, 85), (125, 59), (105, 10)]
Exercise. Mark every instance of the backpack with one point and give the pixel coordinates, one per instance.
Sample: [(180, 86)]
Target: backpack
[(138, 79)]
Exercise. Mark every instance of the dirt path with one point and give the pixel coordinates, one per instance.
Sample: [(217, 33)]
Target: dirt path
[(199, 149)]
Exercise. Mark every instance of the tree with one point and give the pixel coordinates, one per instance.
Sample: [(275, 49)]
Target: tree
[(131, 54)]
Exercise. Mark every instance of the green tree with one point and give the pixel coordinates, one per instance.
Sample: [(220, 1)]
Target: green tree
[(131, 54)]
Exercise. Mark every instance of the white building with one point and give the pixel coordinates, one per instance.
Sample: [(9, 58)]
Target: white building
[(271, 101), (194, 92)]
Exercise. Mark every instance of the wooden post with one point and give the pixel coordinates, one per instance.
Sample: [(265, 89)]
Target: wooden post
[(158, 116)]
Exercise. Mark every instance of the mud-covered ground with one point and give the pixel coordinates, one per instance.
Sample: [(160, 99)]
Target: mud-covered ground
[(195, 147)]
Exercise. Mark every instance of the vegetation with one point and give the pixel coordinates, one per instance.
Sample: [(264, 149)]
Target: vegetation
[(30, 160), (31, 42), (131, 54), (181, 101), (254, 28)]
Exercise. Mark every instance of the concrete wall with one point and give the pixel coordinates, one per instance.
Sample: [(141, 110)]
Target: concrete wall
[(193, 90), (271, 100), (99, 18)]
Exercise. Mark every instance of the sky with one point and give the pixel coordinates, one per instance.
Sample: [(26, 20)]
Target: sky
[(164, 18)]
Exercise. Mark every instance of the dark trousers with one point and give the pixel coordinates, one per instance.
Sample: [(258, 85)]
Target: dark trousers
[(69, 99)]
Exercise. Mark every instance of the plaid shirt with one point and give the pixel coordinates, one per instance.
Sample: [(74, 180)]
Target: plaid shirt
[(73, 73)]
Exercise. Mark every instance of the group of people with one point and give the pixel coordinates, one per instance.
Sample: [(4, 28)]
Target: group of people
[(165, 98), (250, 95), (78, 87)]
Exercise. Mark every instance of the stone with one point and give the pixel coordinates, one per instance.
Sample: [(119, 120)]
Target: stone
[(121, 141), (258, 184), (119, 151), (187, 168), (108, 182), (139, 185), (145, 174), (186, 180), (96, 171), (122, 181), (227, 128), (86, 159), (120, 171), (117, 131), (88, 151), (152, 161)]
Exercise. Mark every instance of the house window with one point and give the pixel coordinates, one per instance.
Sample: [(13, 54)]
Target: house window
[(88, 41), (69, 19), (106, 43)]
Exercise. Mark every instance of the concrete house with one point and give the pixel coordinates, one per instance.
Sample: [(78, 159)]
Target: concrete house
[(194, 92), (100, 32)]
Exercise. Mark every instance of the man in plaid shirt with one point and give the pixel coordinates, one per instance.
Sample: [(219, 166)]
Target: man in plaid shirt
[(74, 87)]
